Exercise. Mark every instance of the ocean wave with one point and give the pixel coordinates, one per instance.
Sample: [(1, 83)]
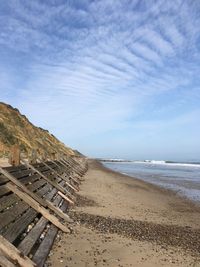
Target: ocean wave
[(169, 163)]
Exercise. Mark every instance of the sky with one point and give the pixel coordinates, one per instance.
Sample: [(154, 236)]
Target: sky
[(111, 78)]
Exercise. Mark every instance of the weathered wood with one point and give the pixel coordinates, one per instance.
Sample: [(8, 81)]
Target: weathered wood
[(21, 223), (18, 227), (8, 201), (13, 253), (59, 212), (63, 178), (21, 186), (56, 164), (28, 242), (35, 190), (42, 253), (15, 155), (75, 181), (10, 215), (4, 262), (3, 190), (74, 166), (44, 248), (43, 202), (53, 183), (35, 205), (33, 159), (66, 198)]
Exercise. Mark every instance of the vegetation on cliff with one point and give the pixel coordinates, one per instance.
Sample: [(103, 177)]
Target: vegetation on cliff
[(15, 128)]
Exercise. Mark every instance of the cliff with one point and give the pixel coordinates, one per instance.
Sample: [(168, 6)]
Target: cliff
[(15, 128)]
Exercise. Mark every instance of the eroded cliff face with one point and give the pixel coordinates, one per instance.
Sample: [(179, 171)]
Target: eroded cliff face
[(15, 128)]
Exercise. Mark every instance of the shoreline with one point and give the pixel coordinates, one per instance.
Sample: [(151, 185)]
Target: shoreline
[(124, 221), (165, 190)]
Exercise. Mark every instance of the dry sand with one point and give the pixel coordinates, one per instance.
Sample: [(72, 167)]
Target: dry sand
[(4, 162), (123, 221)]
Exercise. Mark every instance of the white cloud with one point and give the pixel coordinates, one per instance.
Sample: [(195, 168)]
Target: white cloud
[(98, 63)]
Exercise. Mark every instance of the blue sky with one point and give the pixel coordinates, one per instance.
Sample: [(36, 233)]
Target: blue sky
[(111, 78)]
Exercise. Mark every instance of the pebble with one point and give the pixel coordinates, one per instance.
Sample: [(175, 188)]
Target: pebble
[(164, 235)]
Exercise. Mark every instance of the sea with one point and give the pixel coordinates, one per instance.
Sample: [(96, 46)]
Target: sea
[(181, 177)]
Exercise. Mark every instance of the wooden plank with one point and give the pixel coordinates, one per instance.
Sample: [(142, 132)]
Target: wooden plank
[(66, 170), (20, 225), (33, 188), (11, 214), (15, 169), (55, 163), (3, 191), (70, 196), (53, 183), (40, 256), (14, 159), (17, 228), (3, 180), (28, 242), (4, 262), (13, 253), (21, 186), (72, 166), (35, 205), (63, 178), (66, 198), (42, 202), (7, 201), (59, 212), (78, 165), (44, 248), (73, 179)]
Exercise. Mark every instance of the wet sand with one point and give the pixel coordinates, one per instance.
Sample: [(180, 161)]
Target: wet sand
[(122, 221)]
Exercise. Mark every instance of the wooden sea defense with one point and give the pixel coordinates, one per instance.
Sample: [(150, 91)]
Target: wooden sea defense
[(62, 177), (67, 166), (42, 202), (32, 211), (35, 205), (13, 253), (67, 175), (76, 166), (53, 183), (18, 219), (5, 262), (33, 158), (14, 159)]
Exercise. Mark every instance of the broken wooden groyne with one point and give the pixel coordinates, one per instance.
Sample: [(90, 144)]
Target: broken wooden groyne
[(34, 201)]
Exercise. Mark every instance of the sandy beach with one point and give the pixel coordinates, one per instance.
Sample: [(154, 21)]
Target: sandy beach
[(122, 221)]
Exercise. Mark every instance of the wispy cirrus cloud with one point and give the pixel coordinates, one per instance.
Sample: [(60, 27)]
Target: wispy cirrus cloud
[(84, 69)]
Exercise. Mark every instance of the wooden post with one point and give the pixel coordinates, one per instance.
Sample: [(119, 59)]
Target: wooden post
[(13, 253), (53, 156), (33, 158), (15, 155)]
